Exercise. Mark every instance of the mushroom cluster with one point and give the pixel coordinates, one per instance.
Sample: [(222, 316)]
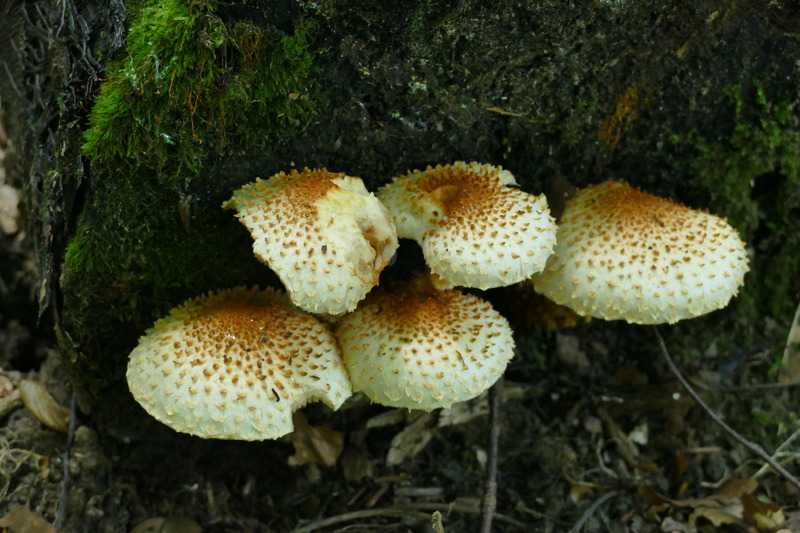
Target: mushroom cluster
[(236, 364)]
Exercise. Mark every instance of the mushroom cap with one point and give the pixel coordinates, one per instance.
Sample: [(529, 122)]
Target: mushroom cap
[(323, 233), (420, 348), (235, 365), (474, 230), (625, 254)]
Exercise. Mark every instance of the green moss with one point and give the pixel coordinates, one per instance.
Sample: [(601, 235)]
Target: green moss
[(188, 88), (765, 142), (753, 178), (192, 88), (191, 85)]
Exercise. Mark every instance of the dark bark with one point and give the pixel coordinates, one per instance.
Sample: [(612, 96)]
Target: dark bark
[(642, 91)]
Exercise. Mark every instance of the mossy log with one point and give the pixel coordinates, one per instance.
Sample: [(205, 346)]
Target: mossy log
[(132, 123)]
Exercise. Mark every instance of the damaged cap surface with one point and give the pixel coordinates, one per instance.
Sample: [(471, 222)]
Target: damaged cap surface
[(235, 365), (323, 233), (625, 254)]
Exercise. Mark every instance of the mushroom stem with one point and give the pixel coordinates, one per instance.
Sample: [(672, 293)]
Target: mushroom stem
[(752, 446)]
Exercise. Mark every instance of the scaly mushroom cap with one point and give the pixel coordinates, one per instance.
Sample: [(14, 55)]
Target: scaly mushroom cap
[(421, 348), (626, 254), (323, 233), (235, 365), (474, 230)]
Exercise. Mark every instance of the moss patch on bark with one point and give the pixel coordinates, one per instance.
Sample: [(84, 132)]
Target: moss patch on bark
[(193, 84)]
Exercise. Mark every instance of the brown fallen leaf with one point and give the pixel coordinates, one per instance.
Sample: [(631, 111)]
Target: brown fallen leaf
[(733, 503), (411, 440), (319, 445), (23, 520), (43, 406), (579, 488), (765, 516), (716, 512), (505, 112)]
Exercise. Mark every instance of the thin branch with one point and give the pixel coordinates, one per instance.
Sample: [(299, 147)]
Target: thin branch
[(489, 502), (359, 515), (460, 508), (778, 453), (416, 510), (753, 447), (592, 508)]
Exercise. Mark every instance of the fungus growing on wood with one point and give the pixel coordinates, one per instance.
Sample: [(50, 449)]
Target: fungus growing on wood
[(420, 348), (474, 230), (625, 254), (235, 365), (323, 233)]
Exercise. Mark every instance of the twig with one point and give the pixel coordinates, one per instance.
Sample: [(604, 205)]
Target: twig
[(404, 510), (358, 515), (461, 508), (758, 387), (592, 508), (778, 453), (62, 498), (489, 502), (753, 447)]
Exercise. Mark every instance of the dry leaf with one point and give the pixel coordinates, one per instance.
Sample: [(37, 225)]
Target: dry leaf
[(387, 418), (39, 402), (9, 209), (765, 516), (505, 112), (734, 488), (579, 488), (411, 440), (318, 445), (711, 510), (355, 462), (23, 520), (732, 504), (463, 412)]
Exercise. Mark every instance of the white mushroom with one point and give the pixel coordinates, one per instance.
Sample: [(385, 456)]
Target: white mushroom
[(474, 230), (235, 365), (420, 348), (323, 233), (625, 254)]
